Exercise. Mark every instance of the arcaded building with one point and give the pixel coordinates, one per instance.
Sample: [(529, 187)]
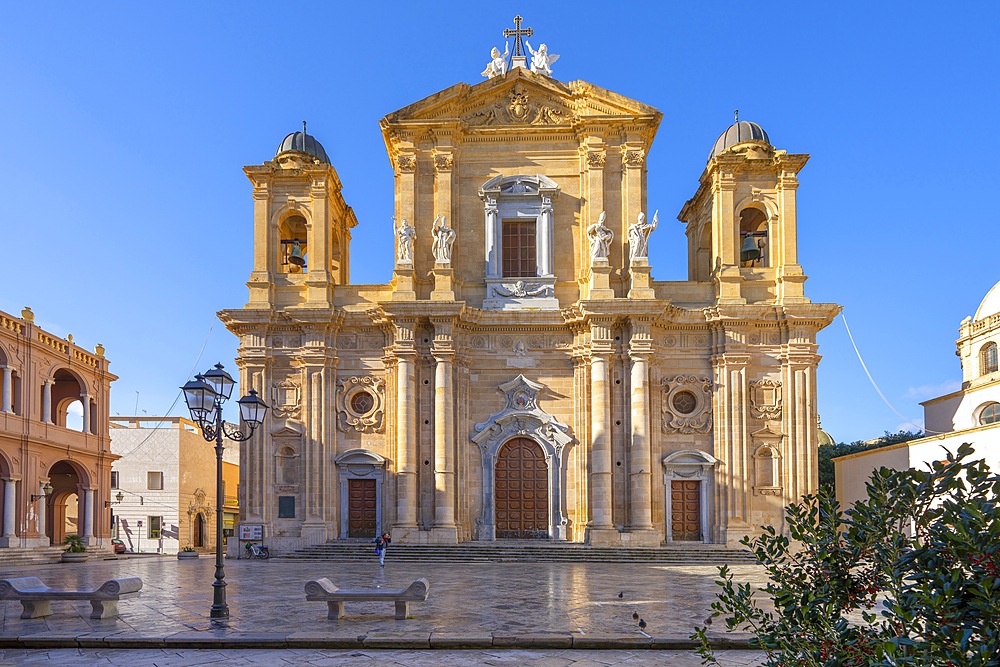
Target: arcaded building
[(523, 375), (55, 461)]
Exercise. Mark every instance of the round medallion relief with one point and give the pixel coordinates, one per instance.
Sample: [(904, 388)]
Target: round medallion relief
[(684, 402), (362, 402)]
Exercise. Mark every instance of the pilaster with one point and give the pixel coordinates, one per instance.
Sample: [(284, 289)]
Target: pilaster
[(601, 530), (443, 350)]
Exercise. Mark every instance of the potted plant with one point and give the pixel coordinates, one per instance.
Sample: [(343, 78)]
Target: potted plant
[(75, 551), (187, 552)]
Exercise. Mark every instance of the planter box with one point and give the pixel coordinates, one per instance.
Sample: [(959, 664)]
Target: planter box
[(68, 557), (186, 555)]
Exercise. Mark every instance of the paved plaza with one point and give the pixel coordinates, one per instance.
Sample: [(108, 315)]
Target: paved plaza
[(502, 613)]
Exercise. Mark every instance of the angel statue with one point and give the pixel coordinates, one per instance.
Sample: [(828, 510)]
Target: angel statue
[(541, 61), (444, 237), (638, 236), (497, 66), (600, 238), (405, 234)]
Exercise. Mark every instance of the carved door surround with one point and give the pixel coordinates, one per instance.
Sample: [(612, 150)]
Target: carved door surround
[(359, 464), (690, 465), (520, 197), (522, 418)]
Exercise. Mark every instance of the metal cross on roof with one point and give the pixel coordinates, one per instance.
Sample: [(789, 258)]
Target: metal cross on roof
[(517, 33)]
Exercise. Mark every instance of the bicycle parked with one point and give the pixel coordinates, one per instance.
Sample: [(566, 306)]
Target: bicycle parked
[(254, 551)]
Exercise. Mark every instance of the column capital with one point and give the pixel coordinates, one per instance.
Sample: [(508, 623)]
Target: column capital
[(10, 478)]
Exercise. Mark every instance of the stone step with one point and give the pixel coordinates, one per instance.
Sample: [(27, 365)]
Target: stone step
[(521, 552)]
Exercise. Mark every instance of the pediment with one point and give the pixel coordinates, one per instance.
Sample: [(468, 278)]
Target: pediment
[(767, 433), (520, 98)]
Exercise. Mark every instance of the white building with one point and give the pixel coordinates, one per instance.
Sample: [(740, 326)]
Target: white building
[(971, 414), (165, 479)]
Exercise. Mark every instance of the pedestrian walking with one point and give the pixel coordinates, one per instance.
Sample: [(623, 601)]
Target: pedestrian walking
[(381, 544)]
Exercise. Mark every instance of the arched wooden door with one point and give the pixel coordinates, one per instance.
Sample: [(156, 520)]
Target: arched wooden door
[(199, 530), (521, 485)]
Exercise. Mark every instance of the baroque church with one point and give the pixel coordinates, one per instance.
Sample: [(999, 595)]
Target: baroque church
[(523, 376)]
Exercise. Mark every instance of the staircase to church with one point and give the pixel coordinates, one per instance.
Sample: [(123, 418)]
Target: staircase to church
[(513, 551), (14, 557)]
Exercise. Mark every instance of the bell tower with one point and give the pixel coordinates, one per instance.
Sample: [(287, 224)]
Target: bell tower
[(741, 223), (301, 227)]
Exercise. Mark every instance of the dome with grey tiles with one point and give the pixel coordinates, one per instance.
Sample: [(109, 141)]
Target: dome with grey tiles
[(737, 133), (300, 141)]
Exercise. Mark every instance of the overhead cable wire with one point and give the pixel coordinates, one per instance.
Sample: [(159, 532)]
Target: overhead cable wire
[(871, 379), (159, 424)]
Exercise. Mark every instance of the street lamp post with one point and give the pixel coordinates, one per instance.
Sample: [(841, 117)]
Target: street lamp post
[(205, 396)]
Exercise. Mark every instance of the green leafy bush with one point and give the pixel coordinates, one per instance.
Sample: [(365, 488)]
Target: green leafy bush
[(909, 577)]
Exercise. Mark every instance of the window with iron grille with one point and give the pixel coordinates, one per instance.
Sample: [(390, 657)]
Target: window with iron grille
[(519, 249)]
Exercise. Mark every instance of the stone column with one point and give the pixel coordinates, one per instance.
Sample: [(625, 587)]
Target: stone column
[(640, 460), (9, 500), (41, 507), (5, 397), (444, 445), (85, 399), (47, 402), (406, 441), (87, 514), (492, 250), (601, 529), (543, 248)]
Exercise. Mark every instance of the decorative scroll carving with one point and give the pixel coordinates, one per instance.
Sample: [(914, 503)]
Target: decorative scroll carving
[(361, 403), (687, 404), (286, 399), (520, 289), (765, 399)]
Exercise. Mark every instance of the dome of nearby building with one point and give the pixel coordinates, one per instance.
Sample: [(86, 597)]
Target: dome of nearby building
[(300, 141), (737, 133), (990, 304), (825, 438)]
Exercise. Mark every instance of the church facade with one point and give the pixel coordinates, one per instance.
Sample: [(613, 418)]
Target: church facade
[(523, 376)]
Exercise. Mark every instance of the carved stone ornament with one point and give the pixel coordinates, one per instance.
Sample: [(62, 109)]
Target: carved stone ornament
[(519, 108), (361, 403), (520, 289), (687, 404), (635, 158), (765, 399), (595, 159), (286, 399), (443, 162), (406, 163)]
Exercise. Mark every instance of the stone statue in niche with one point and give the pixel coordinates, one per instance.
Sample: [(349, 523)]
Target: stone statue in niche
[(541, 60), (600, 238), (444, 238), (405, 234), (638, 235), (497, 66)]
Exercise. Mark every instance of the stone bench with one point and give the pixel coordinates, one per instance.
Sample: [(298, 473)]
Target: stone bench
[(36, 598), (323, 590)]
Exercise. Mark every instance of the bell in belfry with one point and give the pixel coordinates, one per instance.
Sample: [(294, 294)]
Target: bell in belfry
[(750, 250), (295, 257)]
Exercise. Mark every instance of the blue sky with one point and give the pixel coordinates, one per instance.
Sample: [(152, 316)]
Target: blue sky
[(127, 218)]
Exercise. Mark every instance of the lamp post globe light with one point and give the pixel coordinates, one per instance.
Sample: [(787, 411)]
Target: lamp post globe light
[(205, 396)]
